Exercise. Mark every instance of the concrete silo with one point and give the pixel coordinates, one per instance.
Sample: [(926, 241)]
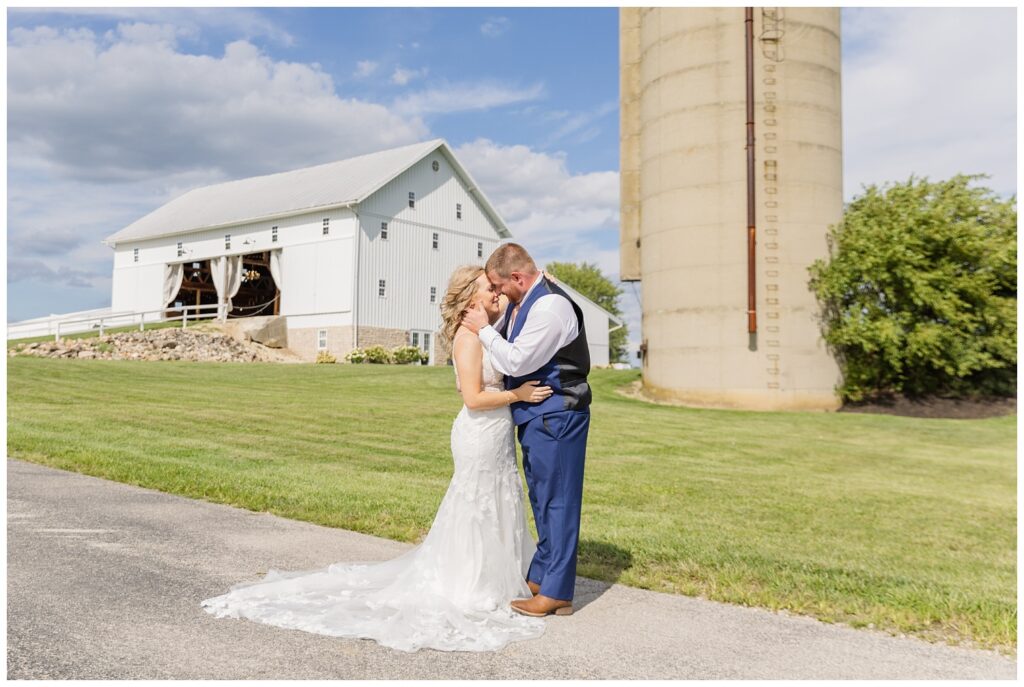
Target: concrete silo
[(721, 239)]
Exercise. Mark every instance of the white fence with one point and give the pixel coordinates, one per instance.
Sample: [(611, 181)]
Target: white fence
[(62, 325)]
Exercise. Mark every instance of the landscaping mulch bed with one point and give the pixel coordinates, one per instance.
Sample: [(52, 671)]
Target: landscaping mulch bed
[(936, 407)]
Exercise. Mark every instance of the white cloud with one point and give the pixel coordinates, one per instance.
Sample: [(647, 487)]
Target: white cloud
[(365, 68), (239, 22), (402, 76), (20, 269), (546, 207), (103, 129), (461, 97), (133, 106), (146, 33), (930, 92), (56, 224), (579, 127), (495, 26)]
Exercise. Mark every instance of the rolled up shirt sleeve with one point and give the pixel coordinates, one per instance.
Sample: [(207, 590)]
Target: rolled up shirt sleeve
[(548, 327)]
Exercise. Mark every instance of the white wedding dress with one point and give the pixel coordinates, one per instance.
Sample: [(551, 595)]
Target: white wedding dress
[(452, 591)]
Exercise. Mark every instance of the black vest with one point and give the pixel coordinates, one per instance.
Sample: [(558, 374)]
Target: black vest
[(566, 372)]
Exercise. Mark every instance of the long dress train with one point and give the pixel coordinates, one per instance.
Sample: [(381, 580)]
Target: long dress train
[(452, 591)]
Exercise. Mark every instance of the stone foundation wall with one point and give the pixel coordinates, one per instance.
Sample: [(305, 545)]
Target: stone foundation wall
[(302, 341), (379, 336), (392, 338), (440, 354)]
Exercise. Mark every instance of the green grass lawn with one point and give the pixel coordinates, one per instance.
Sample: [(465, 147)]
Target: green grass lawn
[(906, 524)]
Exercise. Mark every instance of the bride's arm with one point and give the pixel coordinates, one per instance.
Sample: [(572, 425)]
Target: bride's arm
[(468, 354)]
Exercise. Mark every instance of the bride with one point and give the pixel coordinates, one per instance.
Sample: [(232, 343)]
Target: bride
[(452, 591)]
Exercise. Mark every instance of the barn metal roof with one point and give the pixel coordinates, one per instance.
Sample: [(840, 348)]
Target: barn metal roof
[(335, 184)]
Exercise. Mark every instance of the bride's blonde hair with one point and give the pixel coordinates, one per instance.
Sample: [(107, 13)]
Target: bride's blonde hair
[(462, 287)]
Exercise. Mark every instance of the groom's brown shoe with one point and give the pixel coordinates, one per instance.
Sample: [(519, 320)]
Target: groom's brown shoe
[(540, 606), (534, 587)]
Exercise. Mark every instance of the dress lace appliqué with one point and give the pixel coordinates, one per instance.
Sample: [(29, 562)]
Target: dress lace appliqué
[(452, 591)]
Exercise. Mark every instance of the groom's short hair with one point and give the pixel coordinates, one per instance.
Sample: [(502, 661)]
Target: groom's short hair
[(509, 258)]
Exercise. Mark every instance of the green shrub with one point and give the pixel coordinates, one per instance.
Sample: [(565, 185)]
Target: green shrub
[(405, 355), (378, 355), (919, 293), (401, 355)]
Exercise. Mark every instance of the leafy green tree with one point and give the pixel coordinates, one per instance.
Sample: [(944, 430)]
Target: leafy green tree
[(588, 280), (919, 293)]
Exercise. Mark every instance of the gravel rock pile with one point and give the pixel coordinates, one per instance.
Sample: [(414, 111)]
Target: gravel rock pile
[(158, 344)]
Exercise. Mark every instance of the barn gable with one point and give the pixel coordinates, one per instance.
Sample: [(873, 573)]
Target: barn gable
[(445, 225), (330, 186)]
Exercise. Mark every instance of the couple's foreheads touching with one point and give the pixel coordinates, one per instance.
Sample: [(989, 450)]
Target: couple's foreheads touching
[(510, 261), (509, 272)]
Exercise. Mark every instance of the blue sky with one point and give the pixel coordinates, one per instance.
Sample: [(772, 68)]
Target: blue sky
[(112, 112)]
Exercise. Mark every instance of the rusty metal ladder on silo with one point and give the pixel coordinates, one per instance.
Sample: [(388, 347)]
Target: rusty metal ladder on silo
[(772, 31)]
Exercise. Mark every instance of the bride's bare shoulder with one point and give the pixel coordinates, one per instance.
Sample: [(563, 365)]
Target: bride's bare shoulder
[(466, 336), (466, 348)]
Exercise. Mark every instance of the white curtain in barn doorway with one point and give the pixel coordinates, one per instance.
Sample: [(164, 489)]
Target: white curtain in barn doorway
[(173, 277), (234, 281), (218, 272), (226, 272), (275, 267)]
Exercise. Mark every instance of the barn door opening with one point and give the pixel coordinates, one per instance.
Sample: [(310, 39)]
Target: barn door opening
[(258, 295), (196, 289)]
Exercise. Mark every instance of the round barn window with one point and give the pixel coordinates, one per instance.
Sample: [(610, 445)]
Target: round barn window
[(435, 166)]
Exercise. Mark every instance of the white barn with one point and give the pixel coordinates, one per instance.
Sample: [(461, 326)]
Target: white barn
[(350, 254)]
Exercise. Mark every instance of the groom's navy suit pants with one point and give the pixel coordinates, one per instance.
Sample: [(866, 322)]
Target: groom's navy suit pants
[(554, 448)]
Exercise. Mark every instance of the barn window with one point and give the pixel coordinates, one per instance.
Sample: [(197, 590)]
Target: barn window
[(321, 339), (479, 249), (415, 339), (273, 234), (426, 342), (435, 240), (327, 226), (433, 294), (384, 231), (227, 241), (181, 251), (135, 255), (458, 211), (381, 286), (412, 199), (434, 166)]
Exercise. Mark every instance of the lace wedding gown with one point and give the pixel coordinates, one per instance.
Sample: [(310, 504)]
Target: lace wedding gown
[(452, 591)]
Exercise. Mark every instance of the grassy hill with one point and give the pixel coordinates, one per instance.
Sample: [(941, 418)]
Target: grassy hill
[(905, 524)]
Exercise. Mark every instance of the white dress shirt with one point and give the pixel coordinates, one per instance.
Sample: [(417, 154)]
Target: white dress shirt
[(551, 325)]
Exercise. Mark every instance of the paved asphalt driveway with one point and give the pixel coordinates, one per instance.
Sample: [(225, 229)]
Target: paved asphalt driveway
[(104, 581)]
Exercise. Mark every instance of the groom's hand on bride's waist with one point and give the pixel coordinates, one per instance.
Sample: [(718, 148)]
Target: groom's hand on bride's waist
[(475, 319)]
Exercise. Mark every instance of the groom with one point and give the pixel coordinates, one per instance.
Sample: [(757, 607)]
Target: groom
[(542, 337)]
